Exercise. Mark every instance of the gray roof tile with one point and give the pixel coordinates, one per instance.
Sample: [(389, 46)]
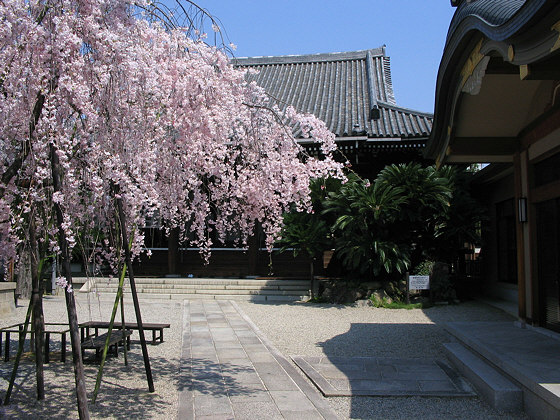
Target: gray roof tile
[(491, 12), (340, 89)]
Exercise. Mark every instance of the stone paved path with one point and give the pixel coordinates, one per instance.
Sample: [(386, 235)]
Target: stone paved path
[(231, 371)]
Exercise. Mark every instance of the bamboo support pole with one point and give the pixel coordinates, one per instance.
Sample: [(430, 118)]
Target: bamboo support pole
[(128, 261), (81, 395)]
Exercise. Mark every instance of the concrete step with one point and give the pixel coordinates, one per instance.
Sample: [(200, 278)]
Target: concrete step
[(496, 389)]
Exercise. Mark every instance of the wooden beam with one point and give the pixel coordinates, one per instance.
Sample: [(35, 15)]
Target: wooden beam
[(488, 146), (527, 72), (479, 159), (540, 128), (545, 70), (524, 72), (497, 65)]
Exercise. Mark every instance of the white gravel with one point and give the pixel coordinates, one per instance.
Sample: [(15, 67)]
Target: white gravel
[(338, 330), (295, 329)]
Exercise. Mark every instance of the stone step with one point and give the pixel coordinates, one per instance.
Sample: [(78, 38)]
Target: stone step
[(207, 288), (499, 391), (246, 298), (198, 281), (188, 287), (207, 291)]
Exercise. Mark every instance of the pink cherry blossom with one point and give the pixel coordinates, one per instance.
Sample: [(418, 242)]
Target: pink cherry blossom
[(136, 106)]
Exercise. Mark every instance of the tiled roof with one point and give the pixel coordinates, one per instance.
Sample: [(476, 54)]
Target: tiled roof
[(342, 89), (484, 14)]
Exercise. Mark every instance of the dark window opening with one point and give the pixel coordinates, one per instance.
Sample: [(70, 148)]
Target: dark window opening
[(547, 171)]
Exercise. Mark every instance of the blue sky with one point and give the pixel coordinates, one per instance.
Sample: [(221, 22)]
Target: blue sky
[(413, 31)]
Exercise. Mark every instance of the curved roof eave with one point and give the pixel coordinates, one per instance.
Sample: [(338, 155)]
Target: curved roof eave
[(471, 22)]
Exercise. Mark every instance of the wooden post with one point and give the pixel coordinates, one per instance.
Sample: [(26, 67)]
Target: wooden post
[(128, 261), (81, 395), (312, 278), (21, 342), (407, 288), (11, 270)]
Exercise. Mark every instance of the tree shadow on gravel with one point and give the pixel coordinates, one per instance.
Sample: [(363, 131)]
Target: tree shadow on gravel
[(123, 392), (124, 389)]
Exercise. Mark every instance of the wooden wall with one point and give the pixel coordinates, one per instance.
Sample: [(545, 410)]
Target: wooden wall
[(225, 264)]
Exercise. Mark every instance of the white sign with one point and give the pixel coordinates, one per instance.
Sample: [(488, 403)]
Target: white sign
[(419, 282)]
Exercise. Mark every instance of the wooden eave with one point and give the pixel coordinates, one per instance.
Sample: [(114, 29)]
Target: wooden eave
[(514, 70)]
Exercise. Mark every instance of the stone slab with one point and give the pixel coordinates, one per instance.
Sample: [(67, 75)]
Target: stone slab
[(7, 302), (371, 376)]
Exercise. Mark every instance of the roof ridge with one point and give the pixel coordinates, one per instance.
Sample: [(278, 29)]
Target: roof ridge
[(308, 58)]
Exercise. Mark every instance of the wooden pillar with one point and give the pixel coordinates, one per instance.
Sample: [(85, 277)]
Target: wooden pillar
[(253, 253), (172, 251), (519, 234)]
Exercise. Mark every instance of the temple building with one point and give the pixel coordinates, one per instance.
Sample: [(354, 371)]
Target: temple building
[(352, 92), (498, 102)]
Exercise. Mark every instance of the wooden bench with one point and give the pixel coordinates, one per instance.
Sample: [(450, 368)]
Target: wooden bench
[(18, 329), (97, 342), (96, 325)]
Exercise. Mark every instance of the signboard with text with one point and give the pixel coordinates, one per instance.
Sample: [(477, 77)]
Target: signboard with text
[(419, 282)]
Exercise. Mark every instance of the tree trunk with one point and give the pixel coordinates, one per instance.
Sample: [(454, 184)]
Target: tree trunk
[(83, 410), (23, 275), (38, 317)]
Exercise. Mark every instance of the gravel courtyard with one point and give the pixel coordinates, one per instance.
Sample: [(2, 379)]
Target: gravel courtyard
[(337, 330), (294, 329)]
